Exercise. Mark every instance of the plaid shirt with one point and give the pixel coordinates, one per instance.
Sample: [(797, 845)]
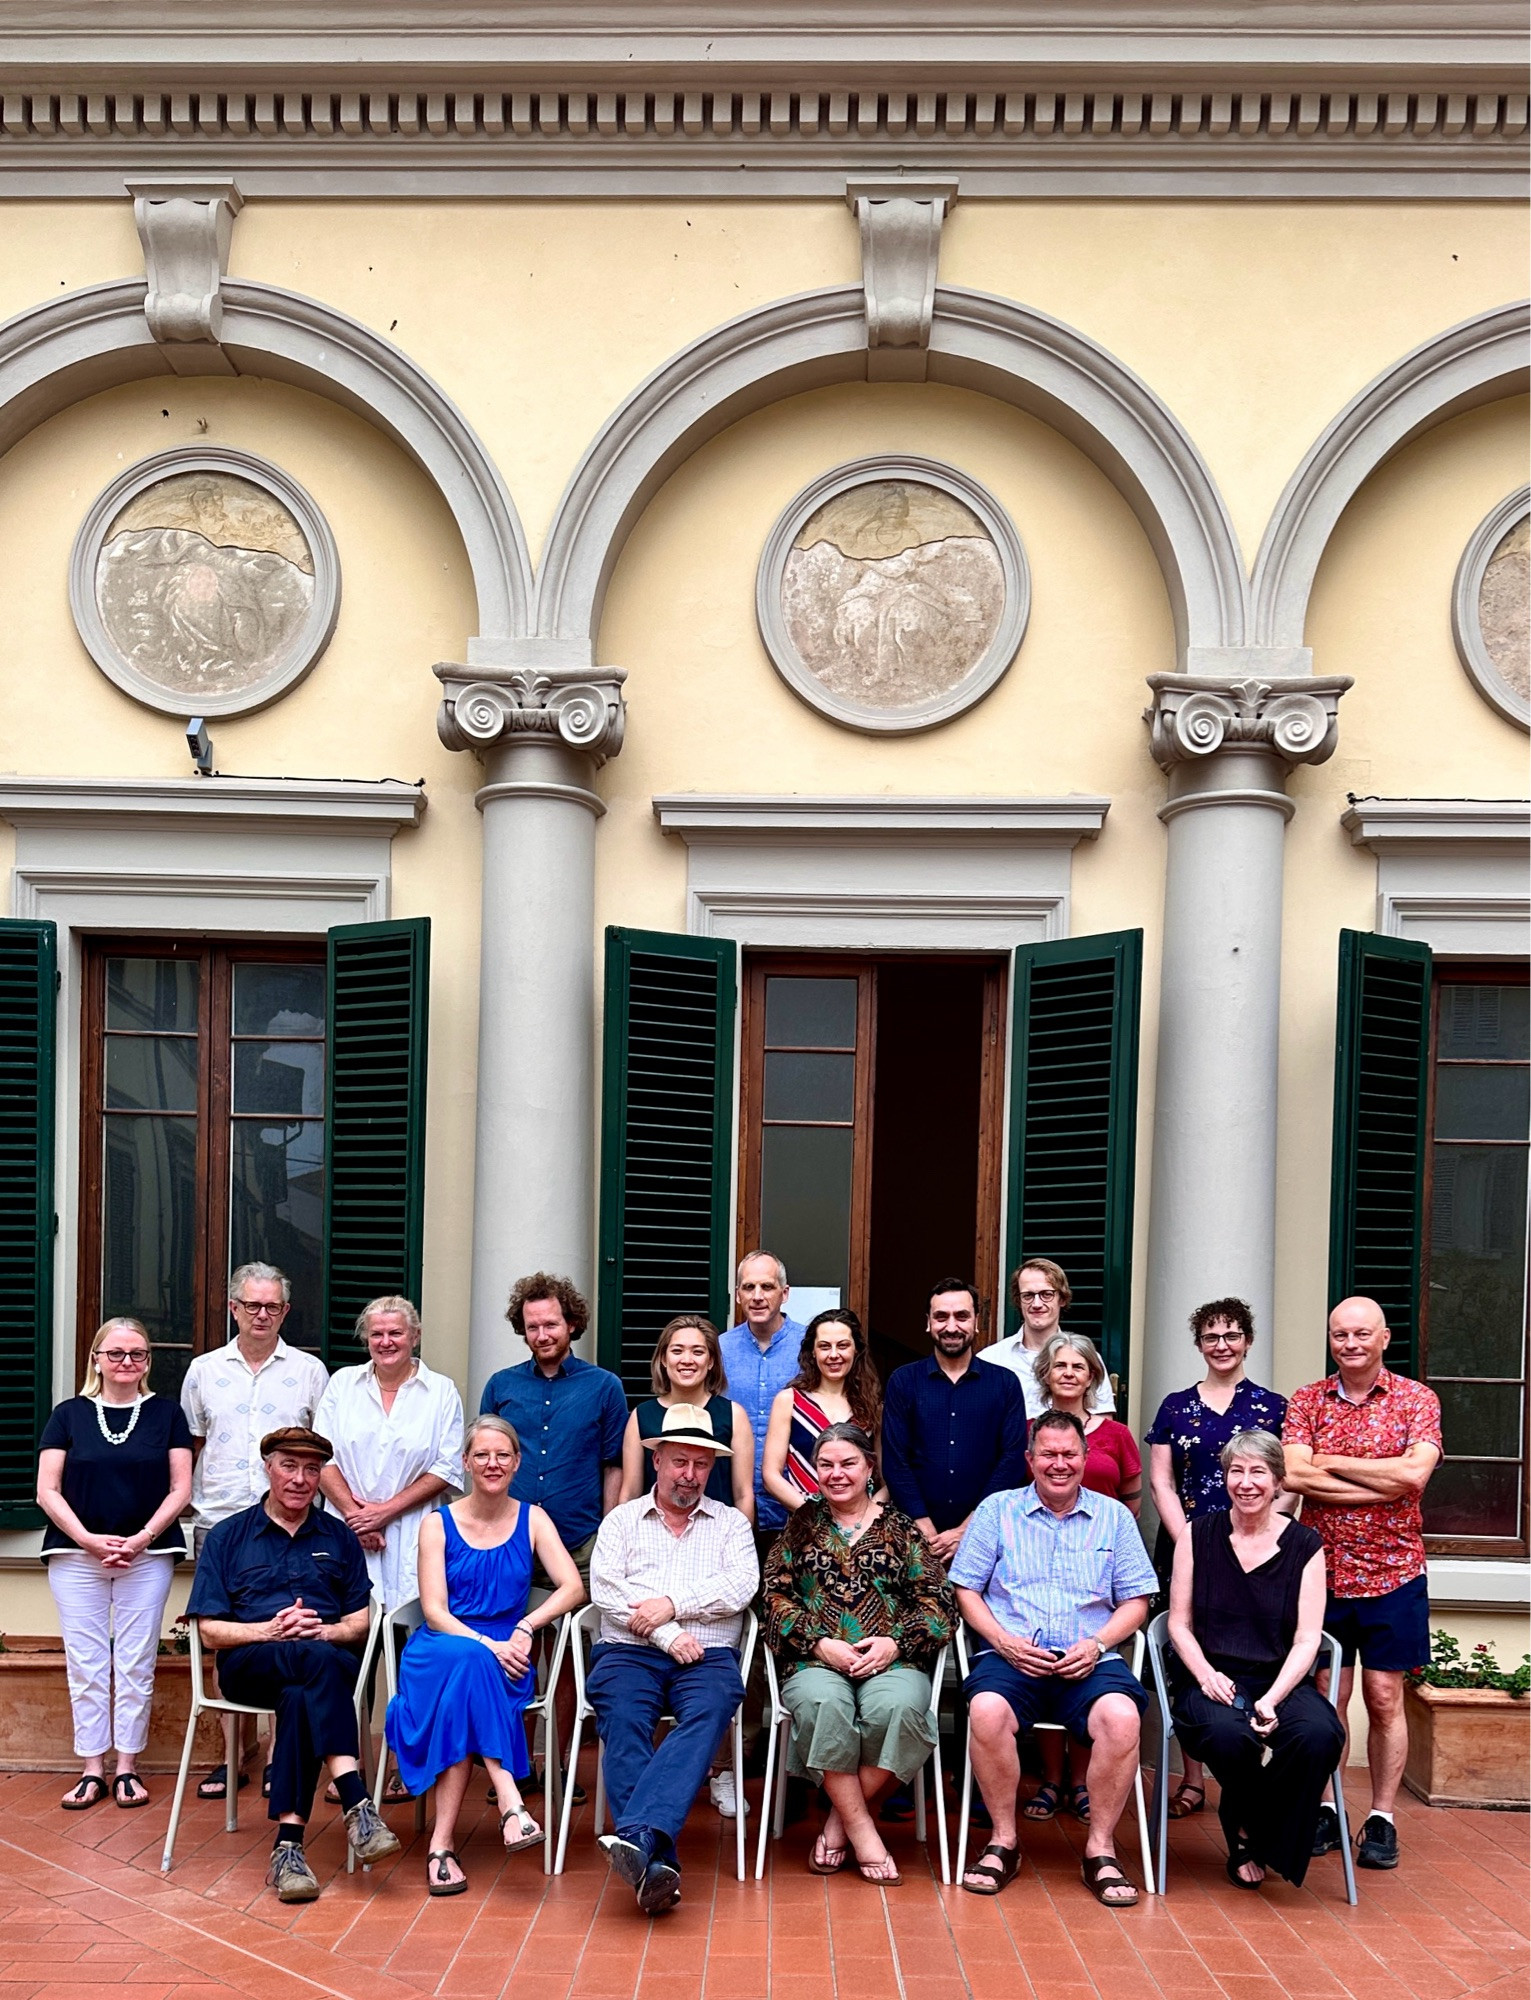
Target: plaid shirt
[(709, 1572), (1368, 1550)]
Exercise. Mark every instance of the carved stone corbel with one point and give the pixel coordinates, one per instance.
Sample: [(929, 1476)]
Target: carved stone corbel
[(581, 709), (186, 227), (1294, 717), (900, 224)]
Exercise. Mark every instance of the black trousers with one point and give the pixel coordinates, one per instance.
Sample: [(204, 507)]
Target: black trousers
[(310, 1687), (1272, 1809)]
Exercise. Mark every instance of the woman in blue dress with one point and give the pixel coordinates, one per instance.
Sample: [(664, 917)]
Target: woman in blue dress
[(1185, 1452), (466, 1675)]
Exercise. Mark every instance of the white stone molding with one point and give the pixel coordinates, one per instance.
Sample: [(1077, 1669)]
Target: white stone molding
[(1194, 716), (879, 873), (484, 710), (900, 225), (1451, 873), (55, 354), (185, 227), (985, 672), (993, 346), (1477, 362), (307, 644), (1472, 648)]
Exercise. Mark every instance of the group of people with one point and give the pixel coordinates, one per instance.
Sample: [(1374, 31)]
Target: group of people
[(986, 1487)]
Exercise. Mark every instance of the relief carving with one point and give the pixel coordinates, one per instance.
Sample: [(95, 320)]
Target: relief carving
[(1504, 608)]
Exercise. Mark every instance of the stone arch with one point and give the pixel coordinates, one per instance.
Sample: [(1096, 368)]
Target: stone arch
[(59, 353), (1480, 361), (980, 342)]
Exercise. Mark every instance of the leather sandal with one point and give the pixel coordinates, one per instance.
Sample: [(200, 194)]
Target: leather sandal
[(1043, 1804), (437, 1881), (90, 1791), (216, 1784), (1102, 1873), (528, 1833), (993, 1879), (1077, 1801), (1187, 1800)]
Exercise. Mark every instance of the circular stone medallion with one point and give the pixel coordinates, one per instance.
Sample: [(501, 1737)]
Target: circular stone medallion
[(204, 582), (1491, 608), (892, 594)]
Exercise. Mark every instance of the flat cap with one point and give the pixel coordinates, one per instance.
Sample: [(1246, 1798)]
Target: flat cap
[(299, 1441)]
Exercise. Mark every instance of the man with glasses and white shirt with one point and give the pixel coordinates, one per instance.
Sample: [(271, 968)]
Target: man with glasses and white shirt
[(1041, 1294), (232, 1398)]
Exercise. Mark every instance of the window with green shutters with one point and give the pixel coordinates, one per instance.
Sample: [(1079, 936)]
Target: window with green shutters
[(1073, 1126), (28, 989), (666, 1140)]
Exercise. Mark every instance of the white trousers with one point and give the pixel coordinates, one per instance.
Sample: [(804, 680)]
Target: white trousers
[(110, 1618)]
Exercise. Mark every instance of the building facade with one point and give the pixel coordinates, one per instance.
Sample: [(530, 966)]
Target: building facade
[(907, 643)]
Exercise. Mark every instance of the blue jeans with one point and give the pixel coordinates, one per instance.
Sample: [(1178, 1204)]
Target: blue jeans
[(651, 1791)]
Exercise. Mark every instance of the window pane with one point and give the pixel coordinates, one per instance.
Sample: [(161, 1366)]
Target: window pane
[(276, 1212), (278, 999), (1480, 1419), (153, 993), (149, 1224), (1466, 1499), (279, 1079), (151, 1074), (1477, 1261), (810, 1013), (800, 1086), (805, 1201), (1484, 1021), (1489, 1103)]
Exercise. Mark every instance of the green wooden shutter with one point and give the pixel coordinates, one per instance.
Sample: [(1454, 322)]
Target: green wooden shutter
[(378, 992), (28, 1004), (1381, 1080), (666, 1140), (1073, 1125)]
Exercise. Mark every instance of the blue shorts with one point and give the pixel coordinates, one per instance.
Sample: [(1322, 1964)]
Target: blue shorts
[(1391, 1632), (1049, 1699)]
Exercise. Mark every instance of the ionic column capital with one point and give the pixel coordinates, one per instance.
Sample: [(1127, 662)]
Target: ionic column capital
[(494, 708), (1290, 716)]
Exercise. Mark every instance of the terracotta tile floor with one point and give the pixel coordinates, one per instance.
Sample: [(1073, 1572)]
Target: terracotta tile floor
[(84, 1911)]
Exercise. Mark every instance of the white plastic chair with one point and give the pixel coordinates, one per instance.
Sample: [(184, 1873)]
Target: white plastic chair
[(408, 1618), (778, 1721), (1135, 1663), (587, 1629), (231, 1711), (1158, 1649)]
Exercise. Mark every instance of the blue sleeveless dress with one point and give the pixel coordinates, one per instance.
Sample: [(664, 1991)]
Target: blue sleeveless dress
[(455, 1700)]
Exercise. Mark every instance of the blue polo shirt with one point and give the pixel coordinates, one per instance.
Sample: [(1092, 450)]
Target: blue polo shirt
[(756, 1376), (250, 1568), (947, 1445), (570, 1425)]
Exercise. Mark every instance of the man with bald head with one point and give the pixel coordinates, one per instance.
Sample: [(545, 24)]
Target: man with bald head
[(1360, 1448)]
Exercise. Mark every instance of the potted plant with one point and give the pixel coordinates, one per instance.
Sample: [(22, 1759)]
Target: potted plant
[(1469, 1729)]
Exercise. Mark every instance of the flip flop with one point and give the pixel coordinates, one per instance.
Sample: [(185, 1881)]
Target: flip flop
[(993, 1879), (864, 1870), (1103, 1873), (122, 1792), (216, 1784), (437, 1881), (82, 1799), (531, 1835), (1043, 1804), (396, 1793), (819, 1862)]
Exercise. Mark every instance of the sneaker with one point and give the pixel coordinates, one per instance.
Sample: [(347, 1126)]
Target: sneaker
[(1378, 1844), (723, 1795), (628, 1858), (370, 1839), (660, 1888), (1326, 1836), (290, 1875)]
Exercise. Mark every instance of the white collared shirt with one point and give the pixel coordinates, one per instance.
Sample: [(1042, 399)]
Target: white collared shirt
[(231, 1406), (709, 1572), (379, 1452)]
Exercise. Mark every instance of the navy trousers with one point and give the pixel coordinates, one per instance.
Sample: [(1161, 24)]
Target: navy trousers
[(651, 1791), (310, 1687)]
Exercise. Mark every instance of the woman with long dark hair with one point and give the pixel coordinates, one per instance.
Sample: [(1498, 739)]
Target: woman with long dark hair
[(835, 1384)]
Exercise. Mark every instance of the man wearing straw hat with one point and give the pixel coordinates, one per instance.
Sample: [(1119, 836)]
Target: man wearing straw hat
[(671, 1575)]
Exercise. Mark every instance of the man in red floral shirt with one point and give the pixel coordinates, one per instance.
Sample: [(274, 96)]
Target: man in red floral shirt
[(1360, 1448)]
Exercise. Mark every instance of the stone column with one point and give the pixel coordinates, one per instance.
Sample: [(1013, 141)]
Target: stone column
[(1228, 745), (542, 733)]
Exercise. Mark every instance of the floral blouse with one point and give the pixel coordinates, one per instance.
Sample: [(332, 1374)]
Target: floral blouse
[(886, 1585), (1196, 1434)]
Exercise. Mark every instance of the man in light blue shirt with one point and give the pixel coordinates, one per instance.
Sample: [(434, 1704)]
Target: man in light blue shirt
[(760, 1357), (1050, 1577)]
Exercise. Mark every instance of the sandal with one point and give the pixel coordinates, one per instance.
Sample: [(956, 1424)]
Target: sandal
[(396, 1793), (265, 1781), (867, 1870), (1187, 1800), (90, 1791), (826, 1860), (1238, 1858), (437, 1881), (530, 1834), (1103, 1873), (993, 1879), (216, 1784), (123, 1794), (1043, 1803), (1077, 1801)]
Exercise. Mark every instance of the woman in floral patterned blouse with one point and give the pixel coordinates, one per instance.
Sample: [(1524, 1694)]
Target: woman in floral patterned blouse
[(856, 1611), (1185, 1447)]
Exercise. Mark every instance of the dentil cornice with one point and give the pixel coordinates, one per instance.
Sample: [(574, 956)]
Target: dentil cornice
[(1294, 716), (581, 709)]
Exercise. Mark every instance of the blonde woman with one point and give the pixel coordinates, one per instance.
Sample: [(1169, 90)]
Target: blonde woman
[(688, 1368), (113, 1478)]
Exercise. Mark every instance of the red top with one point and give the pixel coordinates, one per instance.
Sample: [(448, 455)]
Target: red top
[(1368, 1551), (1114, 1460)]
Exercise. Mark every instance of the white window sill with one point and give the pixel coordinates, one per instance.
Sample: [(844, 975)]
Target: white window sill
[(1479, 1583)]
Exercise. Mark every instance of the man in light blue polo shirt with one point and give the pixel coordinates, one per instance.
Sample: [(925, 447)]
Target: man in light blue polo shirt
[(760, 1357)]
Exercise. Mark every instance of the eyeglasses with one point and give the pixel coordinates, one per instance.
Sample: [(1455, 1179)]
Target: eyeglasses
[(121, 1356), (1221, 1339), (258, 1311), (1037, 1298)]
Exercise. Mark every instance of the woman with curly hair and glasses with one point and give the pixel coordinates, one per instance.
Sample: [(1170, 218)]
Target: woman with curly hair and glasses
[(835, 1384)]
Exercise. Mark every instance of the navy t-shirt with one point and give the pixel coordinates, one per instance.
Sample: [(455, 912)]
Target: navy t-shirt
[(115, 1489)]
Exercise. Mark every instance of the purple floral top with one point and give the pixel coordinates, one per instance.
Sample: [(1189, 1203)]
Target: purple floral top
[(1196, 1434)]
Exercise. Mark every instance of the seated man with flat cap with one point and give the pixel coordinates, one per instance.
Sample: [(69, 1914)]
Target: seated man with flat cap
[(282, 1593)]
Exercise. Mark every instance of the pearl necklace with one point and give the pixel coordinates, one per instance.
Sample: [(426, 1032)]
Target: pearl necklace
[(117, 1437)]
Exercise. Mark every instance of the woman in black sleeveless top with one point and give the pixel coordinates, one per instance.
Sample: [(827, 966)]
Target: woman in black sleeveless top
[(1247, 1601)]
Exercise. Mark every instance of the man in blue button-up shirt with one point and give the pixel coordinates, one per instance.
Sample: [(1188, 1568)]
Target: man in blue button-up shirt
[(760, 1358)]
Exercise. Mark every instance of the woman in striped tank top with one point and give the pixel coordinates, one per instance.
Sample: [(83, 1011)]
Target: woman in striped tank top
[(835, 1384)]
